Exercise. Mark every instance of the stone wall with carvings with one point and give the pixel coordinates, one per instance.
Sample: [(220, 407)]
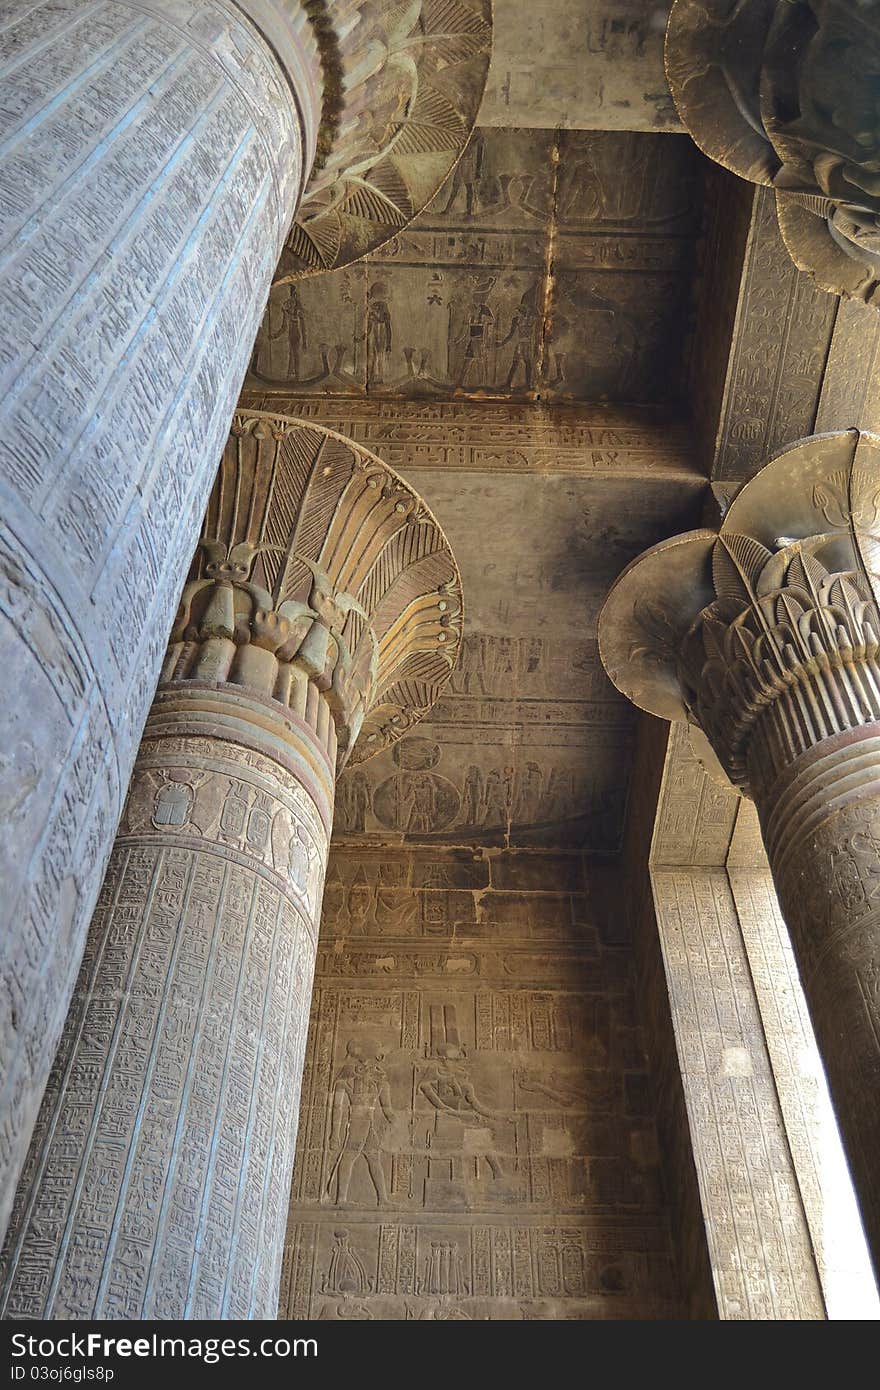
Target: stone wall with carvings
[(477, 1134), (761, 1254), (779, 359), (636, 892), (529, 744)]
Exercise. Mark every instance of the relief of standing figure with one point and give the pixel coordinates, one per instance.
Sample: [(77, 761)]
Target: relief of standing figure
[(360, 1095), (379, 335)]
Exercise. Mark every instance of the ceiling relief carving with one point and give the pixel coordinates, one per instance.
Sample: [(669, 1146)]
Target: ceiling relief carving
[(550, 266), (528, 743), (783, 93), (579, 64), (405, 82), (320, 570)]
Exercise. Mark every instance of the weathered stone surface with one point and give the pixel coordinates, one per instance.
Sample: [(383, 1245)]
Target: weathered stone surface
[(759, 1243), (561, 263), (157, 1182), (505, 436), (759, 1005), (528, 743), (826, 1190), (477, 1139), (635, 896), (553, 265), (777, 358), (153, 157), (402, 87), (759, 385), (320, 570), (580, 64), (765, 636)]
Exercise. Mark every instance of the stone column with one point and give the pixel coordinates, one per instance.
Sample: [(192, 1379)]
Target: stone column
[(765, 636), (324, 607), (154, 154)]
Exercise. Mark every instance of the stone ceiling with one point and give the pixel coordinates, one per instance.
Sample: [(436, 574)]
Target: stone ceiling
[(554, 268), (588, 323), (530, 745), (579, 65), (554, 265)]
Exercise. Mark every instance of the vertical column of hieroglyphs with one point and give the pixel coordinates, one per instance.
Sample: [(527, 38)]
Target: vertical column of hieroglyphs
[(759, 1243), (153, 154), (762, 1259), (826, 1188)]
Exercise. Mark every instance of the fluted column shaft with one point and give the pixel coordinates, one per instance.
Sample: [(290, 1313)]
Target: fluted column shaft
[(154, 152)]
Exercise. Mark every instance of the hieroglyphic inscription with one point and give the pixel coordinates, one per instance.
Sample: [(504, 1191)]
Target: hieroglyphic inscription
[(528, 743), (509, 438), (695, 816), (158, 1181), (151, 163), (826, 1189), (778, 354), (460, 301), (597, 65), (762, 1256), (678, 632), (474, 1147), (823, 838)]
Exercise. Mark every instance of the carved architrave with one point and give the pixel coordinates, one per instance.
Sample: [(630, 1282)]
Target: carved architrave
[(323, 583), (782, 92), (402, 88)]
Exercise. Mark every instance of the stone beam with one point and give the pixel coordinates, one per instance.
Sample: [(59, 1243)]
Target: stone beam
[(735, 1056), (506, 437), (579, 65), (778, 358)]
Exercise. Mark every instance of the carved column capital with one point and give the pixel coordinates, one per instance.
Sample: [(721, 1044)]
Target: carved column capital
[(402, 90), (322, 584), (765, 635), (782, 92)]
